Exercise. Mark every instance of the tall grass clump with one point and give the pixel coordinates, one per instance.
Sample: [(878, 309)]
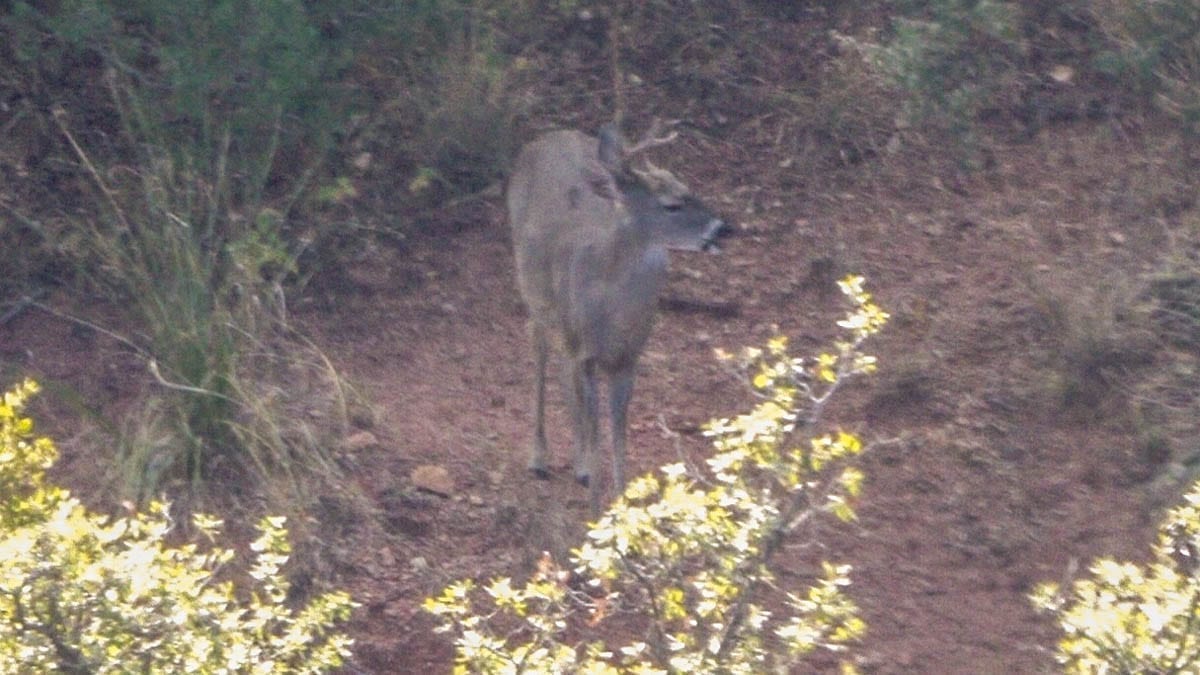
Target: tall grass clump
[(233, 382), (1168, 397), (1126, 352), (189, 138), (1096, 338), (204, 125)]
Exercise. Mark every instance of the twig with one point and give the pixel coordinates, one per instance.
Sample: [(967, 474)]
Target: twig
[(88, 324), (25, 220), (19, 307), (12, 122), (614, 46), (151, 362), (719, 310), (153, 367), (59, 114)]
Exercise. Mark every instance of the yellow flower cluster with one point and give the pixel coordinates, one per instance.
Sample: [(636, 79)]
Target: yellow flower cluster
[(691, 550), (83, 592)]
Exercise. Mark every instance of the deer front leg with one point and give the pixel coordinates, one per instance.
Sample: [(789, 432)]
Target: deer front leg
[(619, 394), (585, 413)]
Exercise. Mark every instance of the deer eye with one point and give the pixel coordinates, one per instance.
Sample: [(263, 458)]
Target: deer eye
[(669, 201)]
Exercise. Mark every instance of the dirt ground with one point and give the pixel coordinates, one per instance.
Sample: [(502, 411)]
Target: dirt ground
[(981, 481)]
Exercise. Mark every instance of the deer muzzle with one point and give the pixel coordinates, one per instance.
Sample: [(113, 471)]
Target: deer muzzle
[(713, 231)]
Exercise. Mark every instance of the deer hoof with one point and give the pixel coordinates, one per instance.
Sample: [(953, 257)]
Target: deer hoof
[(540, 473), (583, 480)]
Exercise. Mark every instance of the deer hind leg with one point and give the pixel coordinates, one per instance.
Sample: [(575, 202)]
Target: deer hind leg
[(541, 352)]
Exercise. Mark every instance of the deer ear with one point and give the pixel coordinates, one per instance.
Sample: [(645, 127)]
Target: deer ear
[(600, 181), (612, 147)]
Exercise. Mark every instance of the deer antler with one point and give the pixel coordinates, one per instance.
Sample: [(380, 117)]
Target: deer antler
[(663, 181), (653, 137)]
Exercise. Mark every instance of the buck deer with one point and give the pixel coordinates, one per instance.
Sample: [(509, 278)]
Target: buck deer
[(590, 235)]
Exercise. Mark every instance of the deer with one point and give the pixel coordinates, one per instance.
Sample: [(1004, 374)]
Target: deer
[(590, 236)]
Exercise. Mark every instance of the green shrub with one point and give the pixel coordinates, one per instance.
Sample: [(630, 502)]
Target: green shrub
[(232, 81), (1129, 618), (957, 62), (205, 96), (691, 551), (1153, 49), (249, 98), (83, 593), (952, 59), (468, 112)]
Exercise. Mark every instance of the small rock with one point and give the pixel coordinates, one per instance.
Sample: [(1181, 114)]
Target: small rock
[(433, 478), (381, 565), (399, 523), (384, 556), (368, 276), (1177, 471), (1191, 457), (475, 500), (1012, 453), (1062, 73), (359, 441), (394, 611), (1117, 238), (362, 417), (418, 564)]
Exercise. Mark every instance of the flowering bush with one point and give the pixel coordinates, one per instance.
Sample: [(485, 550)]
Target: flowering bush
[(690, 551), (1128, 618), (83, 593)]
